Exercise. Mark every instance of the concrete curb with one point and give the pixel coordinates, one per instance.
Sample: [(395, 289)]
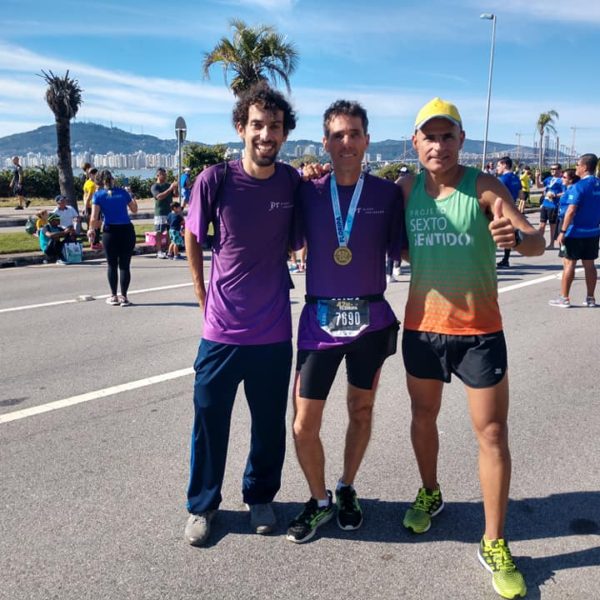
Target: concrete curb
[(37, 258), (20, 221)]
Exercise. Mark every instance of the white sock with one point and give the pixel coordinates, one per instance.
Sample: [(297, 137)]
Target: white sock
[(341, 484), (323, 503)]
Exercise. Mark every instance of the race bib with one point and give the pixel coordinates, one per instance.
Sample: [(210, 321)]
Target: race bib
[(343, 317)]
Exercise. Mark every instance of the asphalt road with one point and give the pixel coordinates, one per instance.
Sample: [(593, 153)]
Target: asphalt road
[(92, 493)]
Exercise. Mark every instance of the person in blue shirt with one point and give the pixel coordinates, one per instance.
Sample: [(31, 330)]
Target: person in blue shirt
[(185, 185), (579, 235), (569, 178), (553, 190), (513, 183), (118, 234), (175, 221)]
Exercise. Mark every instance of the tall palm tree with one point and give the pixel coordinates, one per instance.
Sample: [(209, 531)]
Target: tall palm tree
[(64, 99), (253, 54), (545, 123)]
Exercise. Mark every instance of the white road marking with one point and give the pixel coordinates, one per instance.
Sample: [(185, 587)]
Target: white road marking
[(100, 297), (517, 286), (133, 385), (110, 391)]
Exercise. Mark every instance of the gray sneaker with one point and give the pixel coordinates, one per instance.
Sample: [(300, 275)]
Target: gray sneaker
[(262, 518), (197, 528), (560, 302)]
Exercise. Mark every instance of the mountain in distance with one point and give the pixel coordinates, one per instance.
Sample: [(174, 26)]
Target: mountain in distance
[(85, 137), (101, 140)]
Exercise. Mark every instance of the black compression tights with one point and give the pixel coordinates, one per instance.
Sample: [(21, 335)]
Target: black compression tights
[(119, 242)]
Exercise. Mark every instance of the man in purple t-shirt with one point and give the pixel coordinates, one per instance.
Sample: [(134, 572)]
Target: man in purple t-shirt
[(246, 308), (350, 220)]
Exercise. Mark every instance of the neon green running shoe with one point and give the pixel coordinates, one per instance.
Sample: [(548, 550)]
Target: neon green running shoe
[(507, 580), (428, 504)]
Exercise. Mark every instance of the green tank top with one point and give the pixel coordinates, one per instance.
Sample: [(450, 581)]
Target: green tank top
[(453, 286)]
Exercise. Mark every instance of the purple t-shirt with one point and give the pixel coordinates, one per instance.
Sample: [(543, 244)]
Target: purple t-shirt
[(247, 300), (378, 230)]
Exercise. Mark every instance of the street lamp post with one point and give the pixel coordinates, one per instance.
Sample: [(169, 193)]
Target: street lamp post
[(492, 18), (180, 132)]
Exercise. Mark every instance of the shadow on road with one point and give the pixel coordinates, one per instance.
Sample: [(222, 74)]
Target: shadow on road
[(558, 515)]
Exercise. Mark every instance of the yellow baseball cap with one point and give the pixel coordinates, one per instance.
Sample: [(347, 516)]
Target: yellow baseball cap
[(438, 109)]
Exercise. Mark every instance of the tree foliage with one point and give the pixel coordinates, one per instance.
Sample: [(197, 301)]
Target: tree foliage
[(545, 123), (252, 54), (38, 182), (307, 159), (392, 170), (198, 156), (64, 97)]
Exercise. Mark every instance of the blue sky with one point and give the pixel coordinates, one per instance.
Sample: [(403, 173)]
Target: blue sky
[(139, 63)]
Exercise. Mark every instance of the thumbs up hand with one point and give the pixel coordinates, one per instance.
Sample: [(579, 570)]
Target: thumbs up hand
[(501, 228)]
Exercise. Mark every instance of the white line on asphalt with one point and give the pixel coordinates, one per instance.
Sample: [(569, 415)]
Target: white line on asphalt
[(110, 391), (133, 385), (100, 297), (516, 286)]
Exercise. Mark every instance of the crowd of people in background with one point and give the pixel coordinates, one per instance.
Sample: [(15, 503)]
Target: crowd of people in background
[(448, 220)]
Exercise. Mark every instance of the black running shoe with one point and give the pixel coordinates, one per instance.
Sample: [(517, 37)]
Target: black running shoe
[(304, 526), (349, 513)]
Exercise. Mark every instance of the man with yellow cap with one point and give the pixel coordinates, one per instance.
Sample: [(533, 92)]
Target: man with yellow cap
[(456, 216)]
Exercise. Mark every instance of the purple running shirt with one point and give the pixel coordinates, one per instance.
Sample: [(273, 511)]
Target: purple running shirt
[(378, 229), (247, 296)]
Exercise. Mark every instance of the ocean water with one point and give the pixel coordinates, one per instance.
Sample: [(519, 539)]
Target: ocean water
[(141, 173)]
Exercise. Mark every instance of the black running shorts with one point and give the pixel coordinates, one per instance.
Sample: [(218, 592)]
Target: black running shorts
[(548, 215), (364, 357), (580, 248), (479, 361)]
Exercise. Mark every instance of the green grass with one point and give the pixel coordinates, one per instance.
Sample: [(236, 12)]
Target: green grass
[(16, 242), (35, 203)]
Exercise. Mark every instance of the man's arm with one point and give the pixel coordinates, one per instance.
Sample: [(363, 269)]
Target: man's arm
[(496, 201), (196, 263), (167, 192)]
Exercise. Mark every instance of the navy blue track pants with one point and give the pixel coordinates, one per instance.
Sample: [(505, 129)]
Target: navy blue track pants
[(265, 372)]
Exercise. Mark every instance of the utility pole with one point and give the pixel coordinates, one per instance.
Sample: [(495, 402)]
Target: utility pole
[(518, 134), (572, 153)]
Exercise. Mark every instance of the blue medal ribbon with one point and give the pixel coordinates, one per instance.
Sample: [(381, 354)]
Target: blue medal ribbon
[(343, 229)]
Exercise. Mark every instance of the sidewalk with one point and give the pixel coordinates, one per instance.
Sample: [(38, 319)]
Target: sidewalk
[(9, 217)]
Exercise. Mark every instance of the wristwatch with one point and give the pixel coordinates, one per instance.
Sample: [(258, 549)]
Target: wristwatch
[(518, 237)]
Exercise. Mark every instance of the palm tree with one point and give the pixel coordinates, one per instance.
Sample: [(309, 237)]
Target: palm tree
[(544, 124), (253, 54), (64, 99)]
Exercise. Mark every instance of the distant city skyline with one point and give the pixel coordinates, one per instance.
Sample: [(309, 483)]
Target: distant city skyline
[(139, 64)]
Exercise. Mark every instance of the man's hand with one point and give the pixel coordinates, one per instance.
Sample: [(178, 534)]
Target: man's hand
[(501, 228), (201, 295), (312, 171)]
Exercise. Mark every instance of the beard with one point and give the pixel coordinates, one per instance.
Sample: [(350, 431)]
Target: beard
[(262, 159)]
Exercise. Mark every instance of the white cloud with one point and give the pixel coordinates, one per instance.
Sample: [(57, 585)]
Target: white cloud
[(573, 11)]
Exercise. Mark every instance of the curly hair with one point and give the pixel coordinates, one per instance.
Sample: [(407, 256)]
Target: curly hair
[(262, 95)]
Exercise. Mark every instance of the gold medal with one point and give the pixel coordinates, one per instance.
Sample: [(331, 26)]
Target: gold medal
[(342, 256)]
